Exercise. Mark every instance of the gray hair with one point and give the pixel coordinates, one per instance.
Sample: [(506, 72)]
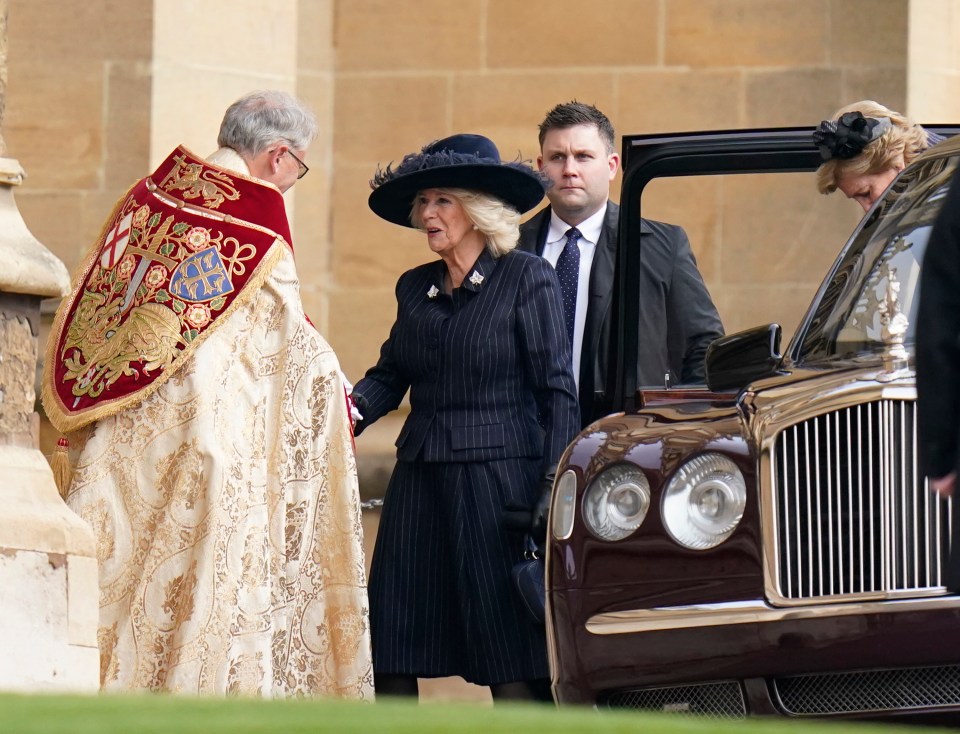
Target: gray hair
[(259, 119)]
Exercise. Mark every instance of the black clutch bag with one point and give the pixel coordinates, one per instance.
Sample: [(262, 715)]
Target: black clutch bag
[(528, 577)]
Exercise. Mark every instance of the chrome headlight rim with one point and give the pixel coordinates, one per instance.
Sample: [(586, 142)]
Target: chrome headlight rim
[(706, 484), (616, 502)]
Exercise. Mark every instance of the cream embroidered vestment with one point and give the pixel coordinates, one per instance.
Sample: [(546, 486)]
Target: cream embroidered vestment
[(225, 501)]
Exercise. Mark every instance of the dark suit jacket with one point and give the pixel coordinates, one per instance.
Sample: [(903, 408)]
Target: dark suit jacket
[(677, 317), (488, 369), (938, 359), (938, 342)]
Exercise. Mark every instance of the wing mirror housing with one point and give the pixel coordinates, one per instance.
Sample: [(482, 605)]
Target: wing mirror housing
[(736, 360)]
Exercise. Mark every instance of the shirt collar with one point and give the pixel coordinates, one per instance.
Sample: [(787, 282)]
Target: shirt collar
[(589, 228), (229, 158)]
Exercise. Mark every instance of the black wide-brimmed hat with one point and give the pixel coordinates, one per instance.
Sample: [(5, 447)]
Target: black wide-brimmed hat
[(465, 161)]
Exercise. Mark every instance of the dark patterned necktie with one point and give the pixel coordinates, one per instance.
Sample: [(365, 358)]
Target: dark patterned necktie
[(568, 271)]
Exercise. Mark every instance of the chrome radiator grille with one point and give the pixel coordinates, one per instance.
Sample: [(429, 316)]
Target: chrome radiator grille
[(852, 515)]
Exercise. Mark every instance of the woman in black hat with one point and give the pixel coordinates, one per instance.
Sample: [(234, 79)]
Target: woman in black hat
[(480, 343)]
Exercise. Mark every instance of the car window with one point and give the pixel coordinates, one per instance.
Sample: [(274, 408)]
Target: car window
[(871, 292), (762, 241)]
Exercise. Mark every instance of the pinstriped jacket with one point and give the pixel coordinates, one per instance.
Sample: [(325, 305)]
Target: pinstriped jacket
[(488, 368)]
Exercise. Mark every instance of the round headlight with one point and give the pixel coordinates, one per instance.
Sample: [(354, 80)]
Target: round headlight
[(703, 503), (616, 502), (564, 496)]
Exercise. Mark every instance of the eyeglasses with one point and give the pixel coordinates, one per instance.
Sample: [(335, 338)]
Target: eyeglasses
[(301, 164)]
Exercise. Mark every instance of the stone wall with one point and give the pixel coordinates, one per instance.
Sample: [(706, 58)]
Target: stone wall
[(934, 72), (100, 90), (404, 77), (101, 93), (78, 112), (48, 567)]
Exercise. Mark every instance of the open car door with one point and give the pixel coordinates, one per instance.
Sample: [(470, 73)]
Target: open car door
[(647, 158)]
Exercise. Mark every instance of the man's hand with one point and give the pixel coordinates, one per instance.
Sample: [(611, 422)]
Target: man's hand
[(944, 485)]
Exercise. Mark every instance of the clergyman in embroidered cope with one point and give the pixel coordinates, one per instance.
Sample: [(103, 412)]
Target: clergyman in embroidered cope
[(211, 447)]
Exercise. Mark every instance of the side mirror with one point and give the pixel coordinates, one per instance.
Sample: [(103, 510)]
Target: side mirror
[(736, 360)]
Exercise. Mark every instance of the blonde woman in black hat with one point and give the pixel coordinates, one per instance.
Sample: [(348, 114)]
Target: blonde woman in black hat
[(864, 146), (480, 343)]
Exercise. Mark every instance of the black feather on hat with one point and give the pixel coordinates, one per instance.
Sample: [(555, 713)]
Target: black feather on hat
[(465, 161)]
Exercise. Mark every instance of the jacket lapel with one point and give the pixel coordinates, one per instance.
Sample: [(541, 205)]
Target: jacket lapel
[(481, 271), (601, 283), (533, 234)]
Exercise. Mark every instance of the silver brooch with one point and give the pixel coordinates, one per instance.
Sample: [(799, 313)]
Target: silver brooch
[(432, 293), (476, 278)]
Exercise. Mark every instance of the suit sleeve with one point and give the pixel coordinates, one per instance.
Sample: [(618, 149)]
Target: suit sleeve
[(938, 342), (384, 385), (545, 351), (693, 319)]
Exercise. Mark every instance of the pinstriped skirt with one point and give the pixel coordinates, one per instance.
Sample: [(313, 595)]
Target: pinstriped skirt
[(442, 602)]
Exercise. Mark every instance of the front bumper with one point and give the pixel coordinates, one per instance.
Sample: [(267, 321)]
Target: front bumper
[(827, 660)]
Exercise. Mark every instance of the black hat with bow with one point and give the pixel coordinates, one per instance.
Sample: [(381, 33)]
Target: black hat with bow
[(847, 136), (463, 161)]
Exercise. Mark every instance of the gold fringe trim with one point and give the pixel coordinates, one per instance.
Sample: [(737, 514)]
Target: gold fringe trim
[(60, 464), (66, 423)]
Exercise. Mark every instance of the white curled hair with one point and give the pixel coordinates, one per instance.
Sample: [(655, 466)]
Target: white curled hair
[(497, 221)]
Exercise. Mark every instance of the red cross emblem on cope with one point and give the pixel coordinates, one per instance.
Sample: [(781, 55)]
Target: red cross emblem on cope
[(116, 242)]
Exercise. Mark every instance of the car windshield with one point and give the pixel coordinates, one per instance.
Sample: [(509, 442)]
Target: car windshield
[(869, 300)]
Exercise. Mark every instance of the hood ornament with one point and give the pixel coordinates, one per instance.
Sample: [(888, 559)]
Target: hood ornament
[(893, 328)]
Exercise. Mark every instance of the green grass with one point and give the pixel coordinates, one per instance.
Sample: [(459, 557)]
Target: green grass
[(144, 714)]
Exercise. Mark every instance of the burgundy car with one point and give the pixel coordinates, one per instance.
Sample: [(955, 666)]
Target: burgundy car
[(763, 544)]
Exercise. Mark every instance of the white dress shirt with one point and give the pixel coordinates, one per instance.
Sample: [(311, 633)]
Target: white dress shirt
[(589, 236)]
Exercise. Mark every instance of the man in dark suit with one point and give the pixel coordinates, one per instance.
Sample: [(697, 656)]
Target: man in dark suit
[(938, 364), (677, 317)]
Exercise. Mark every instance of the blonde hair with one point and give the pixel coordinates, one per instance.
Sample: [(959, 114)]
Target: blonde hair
[(903, 142), (497, 221)]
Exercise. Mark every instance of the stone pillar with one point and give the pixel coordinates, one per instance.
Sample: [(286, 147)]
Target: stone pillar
[(933, 74), (48, 566)]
